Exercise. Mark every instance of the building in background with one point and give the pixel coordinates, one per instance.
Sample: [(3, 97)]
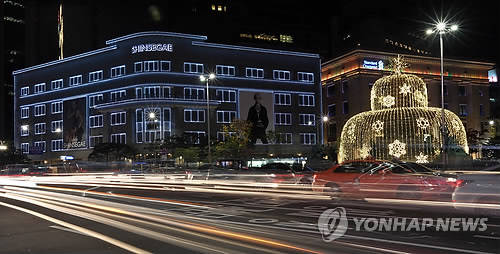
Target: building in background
[(145, 87), (347, 82), (13, 54)]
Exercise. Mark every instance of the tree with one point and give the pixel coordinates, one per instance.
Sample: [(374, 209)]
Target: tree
[(236, 139), (111, 152), (189, 154)]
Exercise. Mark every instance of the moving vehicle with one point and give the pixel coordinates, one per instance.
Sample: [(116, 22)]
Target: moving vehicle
[(481, 192), (385, 179)]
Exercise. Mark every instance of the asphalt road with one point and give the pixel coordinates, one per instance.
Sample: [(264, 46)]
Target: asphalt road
[(124, 214)]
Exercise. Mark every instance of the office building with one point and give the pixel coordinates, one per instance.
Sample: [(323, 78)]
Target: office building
[(144, 87), (347, 82)]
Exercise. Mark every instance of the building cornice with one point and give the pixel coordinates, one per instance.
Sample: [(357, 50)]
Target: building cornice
[(260, 50), (409, 58), (67, 59), (156, 33)]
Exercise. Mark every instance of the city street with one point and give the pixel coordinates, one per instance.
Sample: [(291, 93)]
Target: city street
[(152, 214)]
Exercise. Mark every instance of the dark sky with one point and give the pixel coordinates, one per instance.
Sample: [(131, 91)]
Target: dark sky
[(88, 23)]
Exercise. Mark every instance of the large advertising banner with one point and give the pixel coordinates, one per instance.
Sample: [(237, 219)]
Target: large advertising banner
[(258, 109), (74, 128)]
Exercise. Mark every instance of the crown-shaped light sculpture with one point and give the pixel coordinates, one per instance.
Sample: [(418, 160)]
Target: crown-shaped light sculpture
[(400, 123)]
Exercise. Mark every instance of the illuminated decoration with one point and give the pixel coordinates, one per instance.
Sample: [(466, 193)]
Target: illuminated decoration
[(421, 158), (402, 124), (364, 152), (422, 123), (60, 30), (405, 89), (378, 127), (387, 101), (159, 47), (397, 148)]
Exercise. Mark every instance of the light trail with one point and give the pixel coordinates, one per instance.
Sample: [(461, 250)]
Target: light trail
[(175, 222), (85, 231)]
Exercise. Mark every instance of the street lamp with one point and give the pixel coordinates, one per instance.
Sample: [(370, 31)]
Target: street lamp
[(58, 130), (442, 28), (3, 146), (206, 79), (491, 122)]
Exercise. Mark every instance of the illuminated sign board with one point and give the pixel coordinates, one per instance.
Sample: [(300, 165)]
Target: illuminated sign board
[(150, 47), (492, 76), (373, 64)]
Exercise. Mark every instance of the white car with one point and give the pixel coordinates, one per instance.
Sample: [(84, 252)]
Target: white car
[(481, 192)]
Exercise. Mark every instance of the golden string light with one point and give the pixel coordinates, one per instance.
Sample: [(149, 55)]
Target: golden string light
[(402, 124)]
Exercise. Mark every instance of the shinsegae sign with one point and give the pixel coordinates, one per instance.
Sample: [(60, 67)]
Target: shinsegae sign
[(159, 47)]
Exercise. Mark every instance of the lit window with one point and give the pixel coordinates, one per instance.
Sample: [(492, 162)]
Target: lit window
[(39, 128), (281, 75), (225, 70), (25, 148), (282, 118), (25, 91), (95, 76), (308, 138), (75, 80), (118, 95), (25, 130), (57, 145), (56, 107), (39, 88), (119, 138), (193, 68), (225, 116), (305, 77), (151, 66), (95, 99), (306, 100), (25, 112), (40, 146), (95, 121), (282, 99), (194, 115), (307, 119), (118, 71), (118, 118), (56, 84), (194, 93), (137, 67), (254, 73), (56, 126), (283, 138), (226, 95), (39, 110)]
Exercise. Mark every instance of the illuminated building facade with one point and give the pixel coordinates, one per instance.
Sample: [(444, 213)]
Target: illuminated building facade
[(143, 88), (347, 82)]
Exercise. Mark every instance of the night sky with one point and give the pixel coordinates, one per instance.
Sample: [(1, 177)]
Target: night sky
[(89, 23)]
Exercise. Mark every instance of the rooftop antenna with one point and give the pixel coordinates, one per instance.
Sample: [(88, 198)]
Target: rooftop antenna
[(60, 30)]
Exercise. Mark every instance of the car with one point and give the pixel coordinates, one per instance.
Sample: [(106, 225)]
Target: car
[(481, 192), (284, 173), (385, 179)]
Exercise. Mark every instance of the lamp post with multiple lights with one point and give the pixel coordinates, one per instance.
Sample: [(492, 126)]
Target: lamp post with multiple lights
[(206, 79), (442, 28)]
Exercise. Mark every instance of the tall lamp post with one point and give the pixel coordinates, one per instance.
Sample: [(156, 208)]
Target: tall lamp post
[(442, 28), (324, 119), (206, 79)]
